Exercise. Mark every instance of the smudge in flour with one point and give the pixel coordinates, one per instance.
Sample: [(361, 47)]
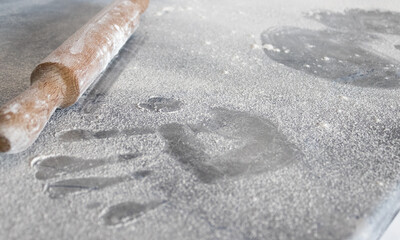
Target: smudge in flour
[(332, 55), (260, 147), (106, 134), (84, 135), (339, 53), (138, 175), (69, 186), (57, 166), (93, 205), (186, 149), (161, 104), (364, 21), (129, 156), (127, 211), (75, 135)]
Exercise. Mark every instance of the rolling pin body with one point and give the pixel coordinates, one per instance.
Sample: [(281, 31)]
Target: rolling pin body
[(62, 77)]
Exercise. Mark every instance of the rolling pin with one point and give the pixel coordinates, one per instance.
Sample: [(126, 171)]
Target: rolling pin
[(63, 76)]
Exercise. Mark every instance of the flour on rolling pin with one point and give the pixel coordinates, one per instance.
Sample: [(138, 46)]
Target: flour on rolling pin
[(62, 77)]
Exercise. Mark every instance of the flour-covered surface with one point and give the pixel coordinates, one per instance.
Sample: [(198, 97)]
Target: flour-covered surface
[(217, 120)]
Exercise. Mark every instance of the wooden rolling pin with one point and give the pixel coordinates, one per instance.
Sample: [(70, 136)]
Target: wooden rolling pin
[(62, 77)]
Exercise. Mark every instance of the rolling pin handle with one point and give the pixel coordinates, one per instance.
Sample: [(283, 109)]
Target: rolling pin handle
[(23, 118)]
